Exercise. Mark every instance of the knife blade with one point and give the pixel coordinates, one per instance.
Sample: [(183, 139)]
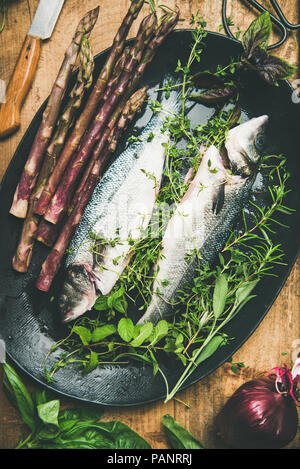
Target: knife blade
[(41, 28)]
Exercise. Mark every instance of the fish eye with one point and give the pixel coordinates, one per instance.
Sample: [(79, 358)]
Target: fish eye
[(260, 142)]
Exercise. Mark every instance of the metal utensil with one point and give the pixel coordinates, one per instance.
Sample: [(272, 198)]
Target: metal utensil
[(41, 28), (280, 21)]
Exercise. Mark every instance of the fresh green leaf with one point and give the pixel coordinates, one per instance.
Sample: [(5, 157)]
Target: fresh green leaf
[(101, 304), (144, 333), (48, 412), (160, 330), (178, 436), (126, 329), (244, 291), (120, 305), (19, 395), (219, 295), (47, 432), (100, 333), (84, 334), (257, 35), (269, 67), (209, 349), (104, 435), (87, 414), (255, 43), (92, 363), (122, 436)]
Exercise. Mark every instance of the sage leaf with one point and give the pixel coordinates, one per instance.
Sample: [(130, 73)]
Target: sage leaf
[(101, 332), (19, 395), (178, 436), (144, 333), (209, 349), (219, 295), (126, 329), (243, 292)]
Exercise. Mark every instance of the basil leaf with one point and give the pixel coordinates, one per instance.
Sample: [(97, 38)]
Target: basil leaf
[(213, 97), (122, 436), (178, 436), (207, 80), (257, 35), (102, 332), (219, 295), (209, 349), (46, 432), (84, 334), (19, 396), (270, 67), (48, 412), (144, 333), (41, 396), (126, 329), (105, 435), (88, 414)]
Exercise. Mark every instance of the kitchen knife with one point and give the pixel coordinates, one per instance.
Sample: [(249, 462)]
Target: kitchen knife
[(41, 28)]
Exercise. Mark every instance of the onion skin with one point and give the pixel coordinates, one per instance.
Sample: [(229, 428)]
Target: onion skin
[(256, 416)]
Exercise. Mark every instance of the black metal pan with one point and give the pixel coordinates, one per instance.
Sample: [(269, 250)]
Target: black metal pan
[(29, 322)]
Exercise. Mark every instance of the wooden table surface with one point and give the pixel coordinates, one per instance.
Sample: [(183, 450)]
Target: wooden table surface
[(277, 337)]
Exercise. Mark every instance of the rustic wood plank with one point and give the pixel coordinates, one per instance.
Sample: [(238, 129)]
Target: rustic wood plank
[(279, 331)]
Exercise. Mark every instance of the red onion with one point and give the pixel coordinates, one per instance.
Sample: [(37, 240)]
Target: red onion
[(262, 413)]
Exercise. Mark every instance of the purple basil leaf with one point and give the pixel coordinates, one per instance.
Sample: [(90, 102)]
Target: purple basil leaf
[(235, 116), (207, 80), (257, 35), (270, 67), (214, 96)]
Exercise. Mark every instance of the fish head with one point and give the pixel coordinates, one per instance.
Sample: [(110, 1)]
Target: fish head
[(78, 294), (245, 144)]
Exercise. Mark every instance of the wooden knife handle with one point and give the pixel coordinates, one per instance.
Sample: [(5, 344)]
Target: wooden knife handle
[(19, 85)]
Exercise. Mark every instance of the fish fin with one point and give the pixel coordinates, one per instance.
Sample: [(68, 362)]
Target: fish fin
[(218, 198)]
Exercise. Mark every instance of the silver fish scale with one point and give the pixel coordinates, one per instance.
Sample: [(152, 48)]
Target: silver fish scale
[(111, 182), (210, 232)]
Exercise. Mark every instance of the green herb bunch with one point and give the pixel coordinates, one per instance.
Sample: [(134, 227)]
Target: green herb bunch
[(48, 426), (219, 291)]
